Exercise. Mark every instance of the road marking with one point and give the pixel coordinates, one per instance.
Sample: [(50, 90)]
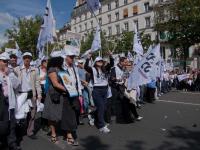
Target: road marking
[(194, 104), (186, 92)]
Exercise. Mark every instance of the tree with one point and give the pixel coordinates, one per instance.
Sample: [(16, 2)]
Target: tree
[(25, 32), (105, 44), (118, 44), (125, 42), (181, 20), (86, 45)]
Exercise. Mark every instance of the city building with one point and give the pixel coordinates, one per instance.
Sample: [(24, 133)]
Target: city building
[(116, 16), (65, 35)]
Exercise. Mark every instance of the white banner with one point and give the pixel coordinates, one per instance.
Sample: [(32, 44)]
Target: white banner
[(183, 77), (143, 72)]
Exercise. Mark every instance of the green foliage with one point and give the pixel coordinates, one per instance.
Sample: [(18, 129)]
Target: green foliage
[(118, 44), (181, 19), (25, 32), (125, 42), (86, 45)]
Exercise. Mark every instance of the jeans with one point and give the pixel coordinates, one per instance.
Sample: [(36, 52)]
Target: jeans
[(100, 100), (85, 99)]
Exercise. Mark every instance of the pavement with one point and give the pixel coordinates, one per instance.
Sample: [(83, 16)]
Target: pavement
[(172, 123)]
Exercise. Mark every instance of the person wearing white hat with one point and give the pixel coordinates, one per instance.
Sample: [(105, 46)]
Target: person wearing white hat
[(30, 84), (99, 73), (71, 113), (8, 86)]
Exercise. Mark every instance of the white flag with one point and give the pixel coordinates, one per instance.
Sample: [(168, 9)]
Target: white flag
[(137, 59), (130, 56), (16, 45), (96, 44), (137, 46), (18, 54), (84, 55), (93, 5), (142, 72), (48, 28)]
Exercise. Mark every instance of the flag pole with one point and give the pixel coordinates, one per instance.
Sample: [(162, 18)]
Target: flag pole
[(100, 53), (47, 49)]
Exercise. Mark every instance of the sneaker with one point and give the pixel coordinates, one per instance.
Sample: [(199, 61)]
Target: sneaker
[(105, 130), (139, 118), (91, 122)]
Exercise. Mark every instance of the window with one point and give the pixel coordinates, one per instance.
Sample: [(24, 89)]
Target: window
[(136, 24), (109, 6), (100, 21), (126, 13), (109, 18), (125, 2), (109, 31), (126, 26), (85, 26), (118, 29), (117, 3), (91, 22), (146, 6), (85, 16), (80, 26), (75, 30), (148, 23), (135, 10), (117, 16)]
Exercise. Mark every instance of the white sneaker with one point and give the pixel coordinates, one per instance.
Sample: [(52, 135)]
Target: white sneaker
[(139, 118), (105, 130), (91, 122)]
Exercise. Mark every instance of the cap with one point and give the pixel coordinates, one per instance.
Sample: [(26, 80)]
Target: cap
[(98, 59), (4, 56), (27, 54)]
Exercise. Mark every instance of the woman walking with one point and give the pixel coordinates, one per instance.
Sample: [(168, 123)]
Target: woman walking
[(99, 73), (54, 98)]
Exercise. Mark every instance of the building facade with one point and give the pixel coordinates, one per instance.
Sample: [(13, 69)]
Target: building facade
[(115, 16)]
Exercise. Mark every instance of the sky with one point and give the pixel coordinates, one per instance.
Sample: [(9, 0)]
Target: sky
[(12, 9)]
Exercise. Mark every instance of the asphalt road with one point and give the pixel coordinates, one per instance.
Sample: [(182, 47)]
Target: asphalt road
[(172, 123)]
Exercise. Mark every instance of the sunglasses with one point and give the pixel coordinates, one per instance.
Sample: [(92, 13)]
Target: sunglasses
[(4, 61), (27, 57)]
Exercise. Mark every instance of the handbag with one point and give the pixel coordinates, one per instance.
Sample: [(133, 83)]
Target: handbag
[(55, 96)]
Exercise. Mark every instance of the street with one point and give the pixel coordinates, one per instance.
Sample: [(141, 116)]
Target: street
[(172, 123)]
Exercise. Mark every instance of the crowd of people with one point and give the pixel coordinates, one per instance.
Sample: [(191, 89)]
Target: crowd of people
[(65, 89)]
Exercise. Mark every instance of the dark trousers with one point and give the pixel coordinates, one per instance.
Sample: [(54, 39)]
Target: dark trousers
[(117, 104), (133, 110), (108, 111), (150, 94), (100, 98), (8, 126)]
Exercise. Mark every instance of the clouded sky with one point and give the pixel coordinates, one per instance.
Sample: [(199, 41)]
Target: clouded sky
[(12, 9)]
